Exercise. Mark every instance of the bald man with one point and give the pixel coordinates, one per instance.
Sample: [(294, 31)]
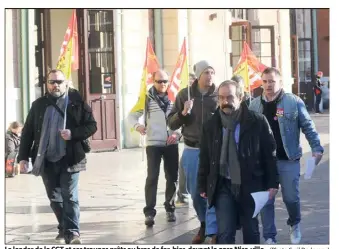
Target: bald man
[(162, 143)]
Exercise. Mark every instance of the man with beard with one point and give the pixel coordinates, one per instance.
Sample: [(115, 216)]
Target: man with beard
[(237, 158), (162, 143), (191, 117), (57, 152)]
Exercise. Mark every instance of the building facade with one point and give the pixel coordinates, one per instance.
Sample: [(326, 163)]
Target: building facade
[(112, 52)]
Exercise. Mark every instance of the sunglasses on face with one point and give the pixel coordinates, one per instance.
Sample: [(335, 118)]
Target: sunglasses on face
[(161, 81), (52, 82)]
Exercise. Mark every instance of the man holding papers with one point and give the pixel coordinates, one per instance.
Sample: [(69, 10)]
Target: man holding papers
[(286, 114), (237, 158)]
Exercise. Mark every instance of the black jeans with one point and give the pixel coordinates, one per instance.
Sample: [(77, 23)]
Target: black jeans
[(317, 103), (170, 155), (62, 191), (227, 210)]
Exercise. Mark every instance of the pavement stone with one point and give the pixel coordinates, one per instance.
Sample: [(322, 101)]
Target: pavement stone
[(111, 194)]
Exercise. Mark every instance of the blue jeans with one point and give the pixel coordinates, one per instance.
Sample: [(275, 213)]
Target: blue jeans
[(182, 190), (190, 163), (62, 191), (289, 173)]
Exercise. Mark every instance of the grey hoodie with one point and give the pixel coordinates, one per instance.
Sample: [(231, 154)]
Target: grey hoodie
[(204, 107)]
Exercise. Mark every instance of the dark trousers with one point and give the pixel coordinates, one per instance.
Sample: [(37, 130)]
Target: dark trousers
[(317, 102), (170, 155), (227, 210), (62, 191)]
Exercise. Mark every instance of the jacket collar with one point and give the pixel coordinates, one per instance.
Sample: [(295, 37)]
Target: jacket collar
[(276, 100), (195, 89)]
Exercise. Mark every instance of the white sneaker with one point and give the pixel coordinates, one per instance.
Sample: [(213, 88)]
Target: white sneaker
[(270, 242), (295, 234)]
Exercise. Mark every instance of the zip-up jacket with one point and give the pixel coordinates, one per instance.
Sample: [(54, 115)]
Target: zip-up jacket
[(204, 107), (157, 130)]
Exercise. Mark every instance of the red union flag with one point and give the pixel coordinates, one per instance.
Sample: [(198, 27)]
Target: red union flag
[(151, 65), (69, 52), (249, 68), (180, 76)]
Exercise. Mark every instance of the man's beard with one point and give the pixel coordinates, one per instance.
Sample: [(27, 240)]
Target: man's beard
[(56, 94)]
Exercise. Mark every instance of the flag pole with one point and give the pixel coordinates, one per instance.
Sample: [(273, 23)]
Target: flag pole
[(66, 103), (142, 137)]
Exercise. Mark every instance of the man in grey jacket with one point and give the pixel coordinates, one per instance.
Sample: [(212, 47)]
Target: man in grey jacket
[(161, 143), (191, 117)]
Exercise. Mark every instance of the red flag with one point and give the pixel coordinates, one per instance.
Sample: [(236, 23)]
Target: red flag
[(69, 52), (75, 44), (253, 67), (151, 65), (179, 78)]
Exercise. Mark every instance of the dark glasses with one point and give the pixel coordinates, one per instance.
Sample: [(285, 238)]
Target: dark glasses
[(161, 81), (59, 82)]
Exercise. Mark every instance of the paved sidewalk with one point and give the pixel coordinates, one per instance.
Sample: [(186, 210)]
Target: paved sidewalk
[(112, 198)]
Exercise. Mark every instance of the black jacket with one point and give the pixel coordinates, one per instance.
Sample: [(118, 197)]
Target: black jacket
[(203, 109), (80, 121), (256, 151)]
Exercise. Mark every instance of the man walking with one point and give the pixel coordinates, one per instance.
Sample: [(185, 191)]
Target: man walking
[(286, 114), (161, 143), (190, 114), (237, 158), (57, 152)]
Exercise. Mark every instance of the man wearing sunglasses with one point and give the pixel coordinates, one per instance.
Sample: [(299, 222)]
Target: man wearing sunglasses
[(162, 143), (57, 152)]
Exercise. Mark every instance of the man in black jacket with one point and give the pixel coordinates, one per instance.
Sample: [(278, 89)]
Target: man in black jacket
[(191, 117), (57, 152), (237, 158)]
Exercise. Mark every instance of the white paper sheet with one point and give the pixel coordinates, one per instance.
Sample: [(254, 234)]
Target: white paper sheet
[(260, 199), (310, 165)]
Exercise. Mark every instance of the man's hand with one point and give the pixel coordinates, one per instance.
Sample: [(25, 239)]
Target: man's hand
[(273, 192), (141, 129), (203, 195), (172, 139), (187, 107), (66, 134), (317, 156), (23, 165)]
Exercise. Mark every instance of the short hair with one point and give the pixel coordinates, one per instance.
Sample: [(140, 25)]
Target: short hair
[(237, 78), (55, 71), (14, 125), (238, 91), (269, 70)]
